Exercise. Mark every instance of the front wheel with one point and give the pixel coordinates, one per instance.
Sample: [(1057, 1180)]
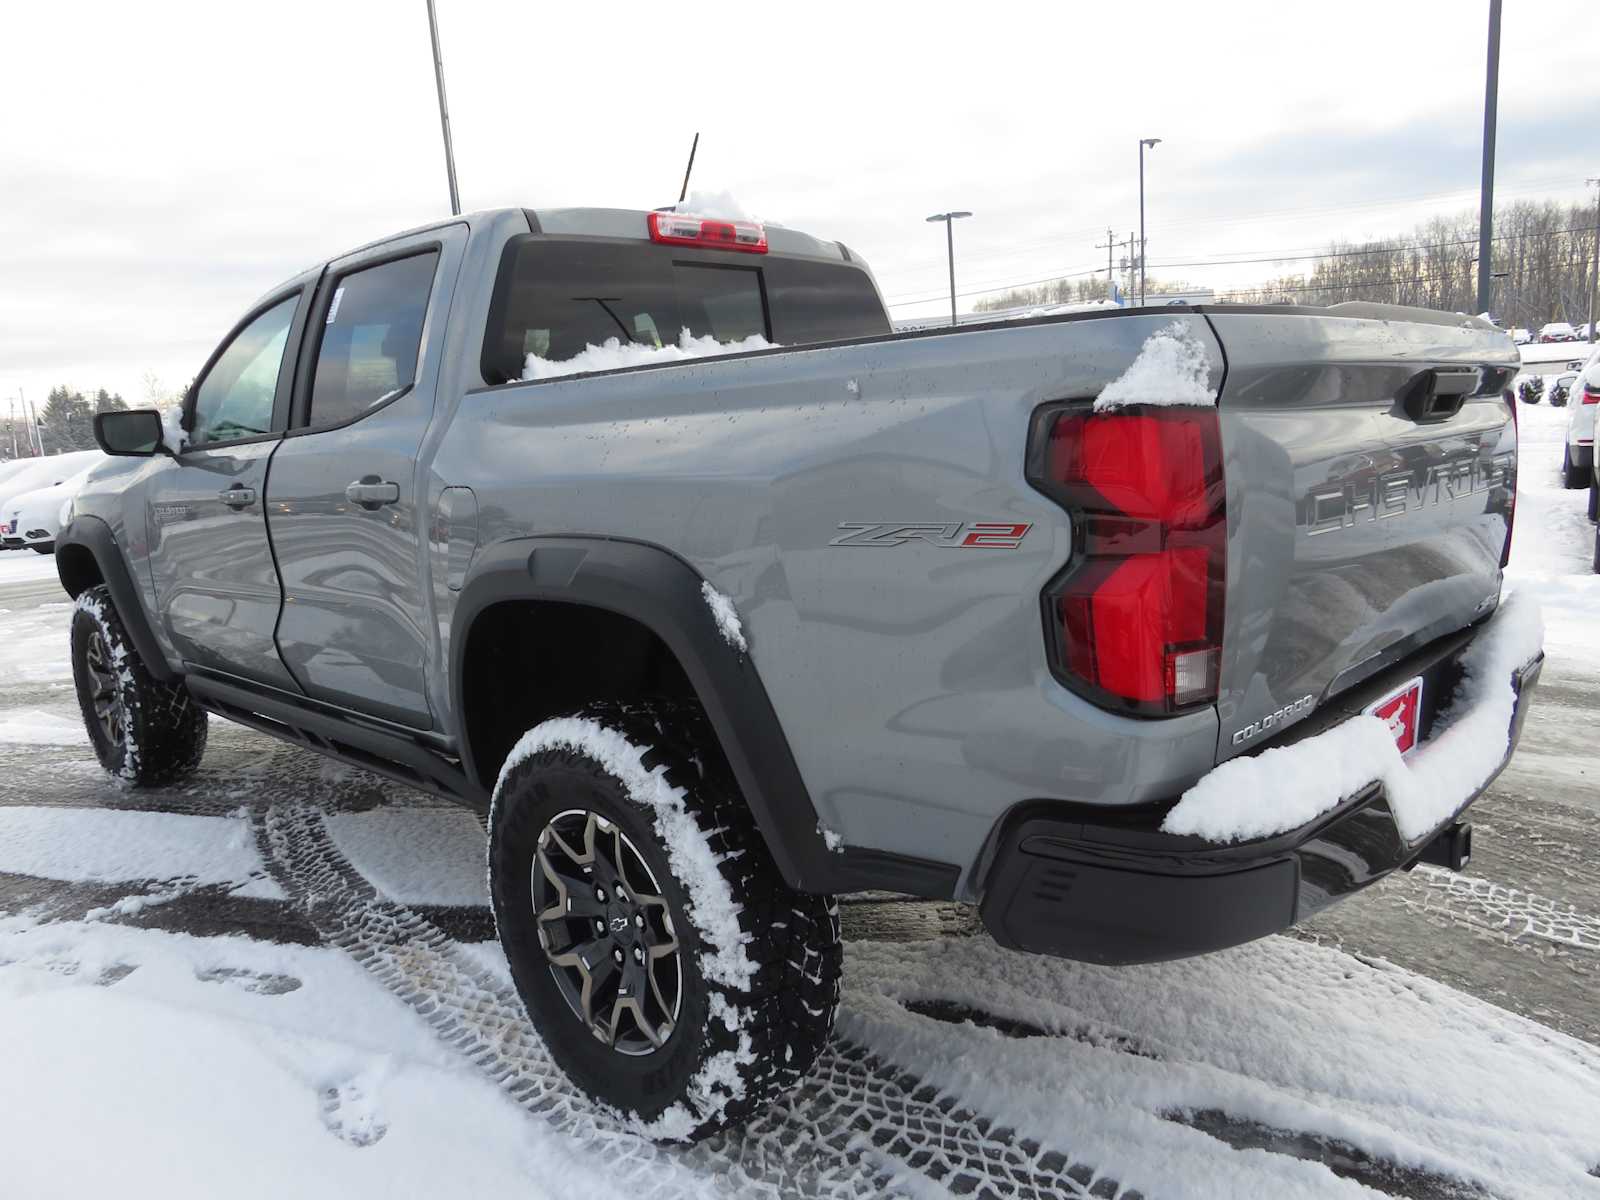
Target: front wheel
[(142, 730), (672, 972)]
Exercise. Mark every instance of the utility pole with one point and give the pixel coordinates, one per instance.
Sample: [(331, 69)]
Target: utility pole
[(1491, 92), (950, 219), (1110, 245), (444, 112), (1129, 263), (1152, 143), (1594, 284)]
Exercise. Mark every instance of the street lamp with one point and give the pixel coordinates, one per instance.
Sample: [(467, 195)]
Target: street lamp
[(949, 219), (1143, 142)]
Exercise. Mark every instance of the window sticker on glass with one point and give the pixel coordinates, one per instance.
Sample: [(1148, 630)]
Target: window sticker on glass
[(333, 309)]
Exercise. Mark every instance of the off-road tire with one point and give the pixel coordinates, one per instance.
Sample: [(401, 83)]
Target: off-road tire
[(734, 1046), (1572, 476), (162, 731)]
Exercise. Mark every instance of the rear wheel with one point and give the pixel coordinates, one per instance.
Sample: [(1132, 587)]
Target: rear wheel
[(1594, 501), (142, 730), (672, 972)]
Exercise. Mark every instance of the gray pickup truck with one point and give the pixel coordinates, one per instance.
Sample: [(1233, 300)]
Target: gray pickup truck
[(711, 640)]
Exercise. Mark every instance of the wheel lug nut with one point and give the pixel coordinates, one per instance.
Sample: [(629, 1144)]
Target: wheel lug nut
[(617, 954), (599, 926), (638, 920), (638, 955), (600, 894)]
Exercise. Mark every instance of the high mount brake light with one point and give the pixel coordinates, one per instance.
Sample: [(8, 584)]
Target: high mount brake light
[(708, 233), (1134, 622)]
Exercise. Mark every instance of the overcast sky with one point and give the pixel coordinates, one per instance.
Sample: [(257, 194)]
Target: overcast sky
[(163, 164)]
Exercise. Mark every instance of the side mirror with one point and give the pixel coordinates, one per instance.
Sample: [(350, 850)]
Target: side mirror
[(133, 434)]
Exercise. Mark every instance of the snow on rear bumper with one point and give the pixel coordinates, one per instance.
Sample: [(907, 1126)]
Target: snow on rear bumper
[(1121, 886)]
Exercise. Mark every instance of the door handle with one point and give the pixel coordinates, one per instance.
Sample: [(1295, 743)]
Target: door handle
[(372, 493), (238, 496)]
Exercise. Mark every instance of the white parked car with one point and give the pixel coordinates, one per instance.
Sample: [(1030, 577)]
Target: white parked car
[(35, 516), (35, 473), (1557, 331), (1521, 336), (1577, 459)]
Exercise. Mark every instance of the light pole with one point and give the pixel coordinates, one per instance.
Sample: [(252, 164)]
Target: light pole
[(444, 113), (949, 219), (1594, 284), (1143, 142), (1491, 92)]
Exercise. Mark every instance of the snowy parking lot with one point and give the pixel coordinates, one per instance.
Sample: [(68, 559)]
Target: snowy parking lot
[(280, 978)]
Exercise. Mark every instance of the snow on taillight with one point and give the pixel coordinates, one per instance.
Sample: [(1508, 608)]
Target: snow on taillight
[(1134, 622), (708, 233)]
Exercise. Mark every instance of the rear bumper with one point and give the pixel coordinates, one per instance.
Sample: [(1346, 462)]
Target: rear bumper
[(1076, 882)]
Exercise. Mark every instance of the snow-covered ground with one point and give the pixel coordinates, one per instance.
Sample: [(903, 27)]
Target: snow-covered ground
[(279, 979)]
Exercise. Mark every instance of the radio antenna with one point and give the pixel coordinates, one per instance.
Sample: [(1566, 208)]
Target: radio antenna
[(695, 145)]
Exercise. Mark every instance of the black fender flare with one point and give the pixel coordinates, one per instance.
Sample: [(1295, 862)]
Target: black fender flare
[(662, 592), (95, 536)]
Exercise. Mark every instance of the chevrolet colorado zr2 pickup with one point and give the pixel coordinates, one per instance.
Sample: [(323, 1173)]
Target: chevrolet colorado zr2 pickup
[(963, 614)]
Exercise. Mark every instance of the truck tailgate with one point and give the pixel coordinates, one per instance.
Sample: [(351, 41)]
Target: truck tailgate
[(1365, 518)]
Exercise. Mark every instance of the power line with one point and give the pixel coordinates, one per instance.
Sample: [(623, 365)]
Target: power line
[(1506, 237), (1229, 262), (1078, 235)]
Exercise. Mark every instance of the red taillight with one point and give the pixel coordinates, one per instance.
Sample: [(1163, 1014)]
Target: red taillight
[(1135, 621), (708, 233), (1591, 395)]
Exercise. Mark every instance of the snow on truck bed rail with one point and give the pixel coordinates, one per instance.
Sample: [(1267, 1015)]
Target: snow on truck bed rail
[(1172, 368), (1282, 789)]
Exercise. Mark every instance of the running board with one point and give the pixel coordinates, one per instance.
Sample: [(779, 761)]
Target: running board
[(345, 738)]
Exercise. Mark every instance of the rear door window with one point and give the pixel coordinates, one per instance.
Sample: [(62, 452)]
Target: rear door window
[(371, 334)]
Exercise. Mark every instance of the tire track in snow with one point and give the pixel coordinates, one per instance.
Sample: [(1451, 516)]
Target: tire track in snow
[(857, 1127), (1494, 906)]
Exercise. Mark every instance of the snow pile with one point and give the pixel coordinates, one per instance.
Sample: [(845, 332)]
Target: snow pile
[(613, 355), (1056, 310), (1283, 788), (726, 617), (35, 727), (187, 1080), (1284, 1034), (97, 845), (1172, 368), (723, 206), (712, 909), (415, 855), (173, 434)]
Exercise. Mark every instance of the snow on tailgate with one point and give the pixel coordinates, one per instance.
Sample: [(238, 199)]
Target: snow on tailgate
[(1283, 788)]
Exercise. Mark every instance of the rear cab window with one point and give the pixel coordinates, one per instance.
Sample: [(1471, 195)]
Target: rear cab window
[(556, 296)]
